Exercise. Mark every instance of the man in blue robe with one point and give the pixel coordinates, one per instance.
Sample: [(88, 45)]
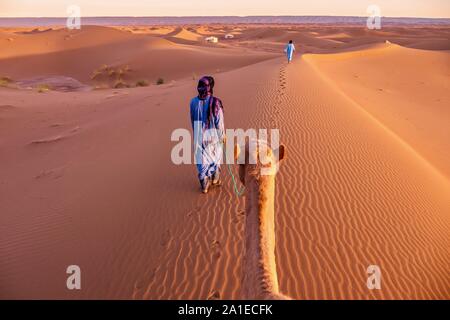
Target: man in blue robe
[(209, 133), (290, 48)]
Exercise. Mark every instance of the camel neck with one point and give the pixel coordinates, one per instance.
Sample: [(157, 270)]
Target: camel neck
[(260, 276)]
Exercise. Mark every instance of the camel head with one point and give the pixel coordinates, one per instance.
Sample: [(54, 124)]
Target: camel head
[(257, 159)]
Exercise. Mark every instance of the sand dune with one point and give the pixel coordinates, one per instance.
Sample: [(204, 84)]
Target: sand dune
[(382, 77), (348, 170), (189, 36), (87, 179), (57, 40), (184, 34), (147, 57), (321, 39)]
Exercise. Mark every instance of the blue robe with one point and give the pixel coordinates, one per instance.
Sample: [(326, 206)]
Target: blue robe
[(290, 48), (208, 137)]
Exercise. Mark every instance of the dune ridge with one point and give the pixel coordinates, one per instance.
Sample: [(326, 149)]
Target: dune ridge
[(422, 128), (336, 164), (146, 57)]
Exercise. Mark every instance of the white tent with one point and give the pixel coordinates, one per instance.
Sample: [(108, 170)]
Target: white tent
[(212, 39)]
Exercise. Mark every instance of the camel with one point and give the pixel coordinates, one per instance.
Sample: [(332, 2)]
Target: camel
[(257, 172)]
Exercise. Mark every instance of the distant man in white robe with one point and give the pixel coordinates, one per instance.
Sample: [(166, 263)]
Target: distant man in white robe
[(290, 48)]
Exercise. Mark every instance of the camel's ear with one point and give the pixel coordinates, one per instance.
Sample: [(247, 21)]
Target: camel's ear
[(281, 152), (237, 151)]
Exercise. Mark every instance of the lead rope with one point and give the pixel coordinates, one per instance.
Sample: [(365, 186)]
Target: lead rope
[(235, 187), (238, 193)]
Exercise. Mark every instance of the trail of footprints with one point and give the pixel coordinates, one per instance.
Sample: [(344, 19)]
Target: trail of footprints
[(283, 81), (281, 88)]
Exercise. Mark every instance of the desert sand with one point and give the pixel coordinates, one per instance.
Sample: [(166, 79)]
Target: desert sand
[(86, 176)]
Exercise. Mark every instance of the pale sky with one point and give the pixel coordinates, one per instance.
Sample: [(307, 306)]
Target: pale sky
[(389, 8)]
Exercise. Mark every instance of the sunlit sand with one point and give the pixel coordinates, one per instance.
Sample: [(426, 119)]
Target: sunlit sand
[(86, 176)]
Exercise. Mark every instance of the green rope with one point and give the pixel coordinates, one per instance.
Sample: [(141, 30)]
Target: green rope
[(238, 193)]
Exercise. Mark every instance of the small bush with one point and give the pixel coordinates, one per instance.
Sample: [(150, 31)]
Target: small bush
[(121, 84), (43, 87), (142, 83), (5, 81), (112, 73), (160, 81), (96, 74)]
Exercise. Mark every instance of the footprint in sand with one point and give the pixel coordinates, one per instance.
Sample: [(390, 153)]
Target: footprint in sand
[(165, 238), (55, 125), (216, 249), (239, 217), (7, 107), (150, 274), (138, 285), (55, 138), (194, 211), (214, 295), (55, 173), (148, 277)]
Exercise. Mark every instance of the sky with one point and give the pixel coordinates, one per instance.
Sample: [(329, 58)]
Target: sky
[(389, 8)]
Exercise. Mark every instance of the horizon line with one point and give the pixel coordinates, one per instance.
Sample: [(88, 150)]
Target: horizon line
[(220, 16)]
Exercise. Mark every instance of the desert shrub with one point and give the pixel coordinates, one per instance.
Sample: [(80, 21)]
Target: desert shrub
[(43, 87), (96, 74), (5, 81), (120, 84), (160, 81), (142, 83), (112, 73)]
